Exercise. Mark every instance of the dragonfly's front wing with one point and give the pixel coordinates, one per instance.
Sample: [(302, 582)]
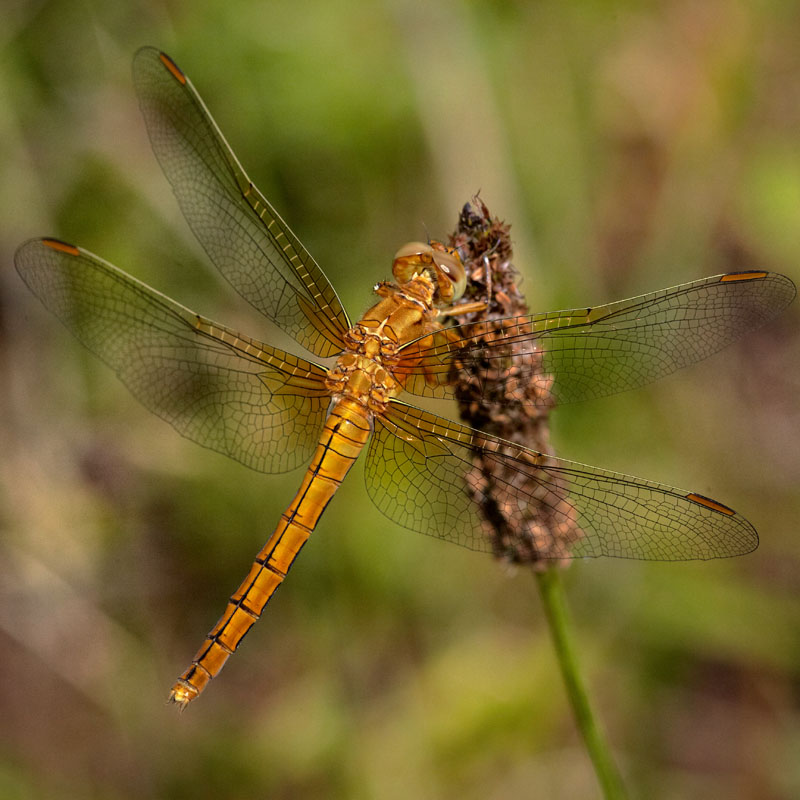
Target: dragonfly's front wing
[(587, 353), (243, 235), (421, 473)]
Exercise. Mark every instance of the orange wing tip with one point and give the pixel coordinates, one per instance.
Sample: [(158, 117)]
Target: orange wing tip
[(707, 502), (62, 247), (172, 67), (182, 694), (751, 275)]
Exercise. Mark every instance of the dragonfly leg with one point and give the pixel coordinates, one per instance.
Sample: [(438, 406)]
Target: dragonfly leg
[(463, 308)]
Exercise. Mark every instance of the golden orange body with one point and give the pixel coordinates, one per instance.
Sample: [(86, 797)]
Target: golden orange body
[(361, 385)]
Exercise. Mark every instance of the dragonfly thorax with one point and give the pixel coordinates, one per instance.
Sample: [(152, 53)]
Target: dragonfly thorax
[(364, 373), (363, 379)]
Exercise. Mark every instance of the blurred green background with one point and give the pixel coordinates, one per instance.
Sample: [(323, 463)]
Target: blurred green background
[(632, 146)]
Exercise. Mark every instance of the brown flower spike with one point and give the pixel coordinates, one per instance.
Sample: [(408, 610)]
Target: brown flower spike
[(491, 398)]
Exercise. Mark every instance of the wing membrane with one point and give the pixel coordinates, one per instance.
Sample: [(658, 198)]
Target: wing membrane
[(252, 402), (419, 465), (593, 352), (243, 235)]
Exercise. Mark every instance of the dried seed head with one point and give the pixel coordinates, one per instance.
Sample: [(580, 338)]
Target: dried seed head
[(493, 399)]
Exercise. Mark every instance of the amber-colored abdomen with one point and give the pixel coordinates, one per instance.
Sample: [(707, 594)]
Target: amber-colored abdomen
[(343, 437)]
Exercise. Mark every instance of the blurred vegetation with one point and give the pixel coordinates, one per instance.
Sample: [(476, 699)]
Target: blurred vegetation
[(632, 146)]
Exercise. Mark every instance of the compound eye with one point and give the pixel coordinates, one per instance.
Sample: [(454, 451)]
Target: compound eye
[(413, 249), (442, 264), (414, 257), (451, 275)]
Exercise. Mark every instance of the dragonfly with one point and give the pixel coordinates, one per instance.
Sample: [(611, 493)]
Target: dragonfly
[(274, 411)]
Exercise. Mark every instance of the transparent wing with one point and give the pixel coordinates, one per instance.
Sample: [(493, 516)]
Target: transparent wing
[(243, 235), (421, 473), (254, 403), (594, 352)]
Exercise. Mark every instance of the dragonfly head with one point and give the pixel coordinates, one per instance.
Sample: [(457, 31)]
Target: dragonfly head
[(441, 263)]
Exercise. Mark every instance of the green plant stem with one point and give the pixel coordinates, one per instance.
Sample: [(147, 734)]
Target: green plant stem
[(551, 590)]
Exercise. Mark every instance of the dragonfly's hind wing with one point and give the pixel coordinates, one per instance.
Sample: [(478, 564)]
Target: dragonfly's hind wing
[(254, 403), (243, 235), (593, 352), (432, 475)]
